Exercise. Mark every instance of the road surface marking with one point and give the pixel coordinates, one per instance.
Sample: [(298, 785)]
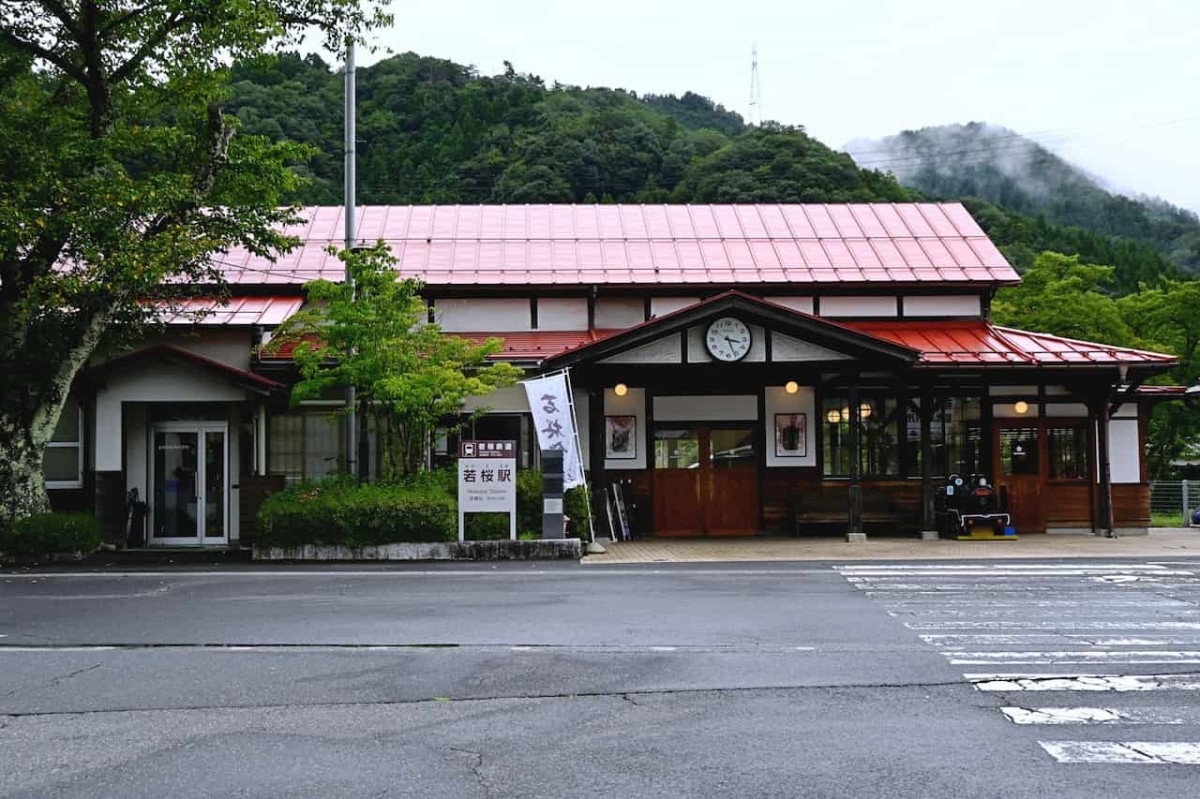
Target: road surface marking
[(1120, 683), (1101, 715), (1187, 657), (1152, 752)]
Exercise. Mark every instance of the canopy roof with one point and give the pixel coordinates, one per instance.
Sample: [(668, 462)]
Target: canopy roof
[(715, 245)]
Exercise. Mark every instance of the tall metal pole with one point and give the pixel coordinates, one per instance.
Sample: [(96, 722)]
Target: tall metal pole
[(349, 199)]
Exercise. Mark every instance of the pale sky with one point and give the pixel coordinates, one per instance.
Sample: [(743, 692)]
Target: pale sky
[(1110, 85)]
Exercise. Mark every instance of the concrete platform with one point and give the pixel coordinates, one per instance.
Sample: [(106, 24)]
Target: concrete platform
[(1161, 542)]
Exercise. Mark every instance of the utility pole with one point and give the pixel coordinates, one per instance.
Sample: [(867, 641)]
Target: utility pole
[(349, 198), (755, 117)]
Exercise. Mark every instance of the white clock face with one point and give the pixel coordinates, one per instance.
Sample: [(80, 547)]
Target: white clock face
[(728, 339)]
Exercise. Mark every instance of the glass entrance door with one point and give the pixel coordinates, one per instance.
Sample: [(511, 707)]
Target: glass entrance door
[(188, 484)]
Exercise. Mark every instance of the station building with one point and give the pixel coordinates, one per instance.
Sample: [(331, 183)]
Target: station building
[(741, 369)]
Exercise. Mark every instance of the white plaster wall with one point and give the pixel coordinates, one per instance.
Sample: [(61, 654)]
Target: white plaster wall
[(562, 313), (847, 307), (948, 305), (788, 349), (632, 404), (1124, 450), (137, 453), (582, 407), (801, 304), (227, 345), (706, 408), (157, 381), (779, 401), (698, 352), (502, 400), (663, 350), (1073, 409), (1003, 398), (482, 315), (660, 306), (618, 312)]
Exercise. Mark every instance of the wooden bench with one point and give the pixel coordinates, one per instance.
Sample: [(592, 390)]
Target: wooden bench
[(831, 506)]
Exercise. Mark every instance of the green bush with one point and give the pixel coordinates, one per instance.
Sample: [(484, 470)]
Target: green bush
[(52, 533), (576, 505), (339, 513)]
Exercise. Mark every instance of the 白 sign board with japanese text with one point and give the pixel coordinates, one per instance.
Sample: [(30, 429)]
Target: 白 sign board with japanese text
[(487, 481)]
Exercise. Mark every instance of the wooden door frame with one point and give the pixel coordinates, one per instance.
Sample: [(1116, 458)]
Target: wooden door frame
[(1037, 424), (705, 470)]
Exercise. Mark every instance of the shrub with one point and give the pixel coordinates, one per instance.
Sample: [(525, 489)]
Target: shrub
[(343, 514), (52, 533)]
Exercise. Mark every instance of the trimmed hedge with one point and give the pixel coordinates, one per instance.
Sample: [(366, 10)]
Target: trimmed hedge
[(52, 534), (338, 512), (422, 509)]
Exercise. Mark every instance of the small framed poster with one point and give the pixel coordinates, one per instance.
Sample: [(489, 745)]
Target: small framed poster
[(791, 435), (620, 437)]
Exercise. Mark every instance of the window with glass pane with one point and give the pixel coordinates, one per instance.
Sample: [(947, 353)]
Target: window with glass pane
[(731, 448), (303, 446), (677, 448), (1068, 453), (835, 426), (880, 430), (1019, 451), (954, 433), (62, 461)]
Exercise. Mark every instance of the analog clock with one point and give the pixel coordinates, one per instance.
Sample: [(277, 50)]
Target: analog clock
[(728, 339)]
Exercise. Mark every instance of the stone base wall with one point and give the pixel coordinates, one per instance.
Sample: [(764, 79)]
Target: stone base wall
[(543, 549)]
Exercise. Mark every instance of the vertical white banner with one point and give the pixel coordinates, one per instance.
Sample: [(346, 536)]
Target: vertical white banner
[(550, 402)]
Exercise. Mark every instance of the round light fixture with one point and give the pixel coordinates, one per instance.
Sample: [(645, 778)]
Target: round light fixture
[(833, 417), (620, 389), (1021, 407), (791, 386)]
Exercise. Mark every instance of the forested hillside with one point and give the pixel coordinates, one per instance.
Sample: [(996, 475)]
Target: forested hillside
[(432, 131), (1002, 167)]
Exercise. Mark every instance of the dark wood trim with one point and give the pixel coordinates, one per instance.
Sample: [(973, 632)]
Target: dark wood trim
[(683, 346), (647, 309), (768, 345), (855, 460), (766, 438), (533, 313)]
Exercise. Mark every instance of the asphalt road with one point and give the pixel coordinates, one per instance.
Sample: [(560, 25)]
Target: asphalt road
[(978, 679)]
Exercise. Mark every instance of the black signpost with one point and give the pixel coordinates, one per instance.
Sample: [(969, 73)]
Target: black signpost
[(552, 494)]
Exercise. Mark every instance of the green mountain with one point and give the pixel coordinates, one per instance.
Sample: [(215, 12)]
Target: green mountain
[(433, 131), (997, 165)]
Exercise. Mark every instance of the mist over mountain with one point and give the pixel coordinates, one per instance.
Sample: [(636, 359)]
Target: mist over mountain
[(995, 164)]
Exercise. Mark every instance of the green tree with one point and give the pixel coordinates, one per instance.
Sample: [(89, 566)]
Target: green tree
[(407, 374), (1060, 295), (120, 177)]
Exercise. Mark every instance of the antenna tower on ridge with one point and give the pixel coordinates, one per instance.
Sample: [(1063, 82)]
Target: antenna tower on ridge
[(755, 117)]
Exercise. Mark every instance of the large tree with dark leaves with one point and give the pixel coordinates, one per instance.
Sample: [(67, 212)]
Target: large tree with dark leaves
[(120, 178)]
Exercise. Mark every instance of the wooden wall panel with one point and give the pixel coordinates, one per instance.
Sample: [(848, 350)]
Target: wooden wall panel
[(1067, 505), (1131, 504)]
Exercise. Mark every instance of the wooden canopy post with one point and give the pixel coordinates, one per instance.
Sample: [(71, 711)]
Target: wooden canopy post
[(855, 531), (1106, 506), (928, 521)]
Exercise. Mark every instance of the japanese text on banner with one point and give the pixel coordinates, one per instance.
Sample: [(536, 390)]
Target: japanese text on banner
[(549, 401)]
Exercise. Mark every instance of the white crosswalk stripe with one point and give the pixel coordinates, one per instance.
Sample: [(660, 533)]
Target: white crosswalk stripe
[(1096, 629)]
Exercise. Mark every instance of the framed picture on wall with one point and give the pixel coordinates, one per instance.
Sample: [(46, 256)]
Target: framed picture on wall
[(620, 437), (791, 435)]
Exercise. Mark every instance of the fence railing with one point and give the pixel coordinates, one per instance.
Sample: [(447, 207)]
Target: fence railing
[(1174, 500)]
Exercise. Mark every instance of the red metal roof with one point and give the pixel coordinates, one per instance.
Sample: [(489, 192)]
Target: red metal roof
[(267, 311), (485, 245), (519, 346), (971, 343)]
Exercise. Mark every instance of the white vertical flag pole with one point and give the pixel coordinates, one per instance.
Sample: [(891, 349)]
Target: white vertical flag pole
[(587, 489)]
